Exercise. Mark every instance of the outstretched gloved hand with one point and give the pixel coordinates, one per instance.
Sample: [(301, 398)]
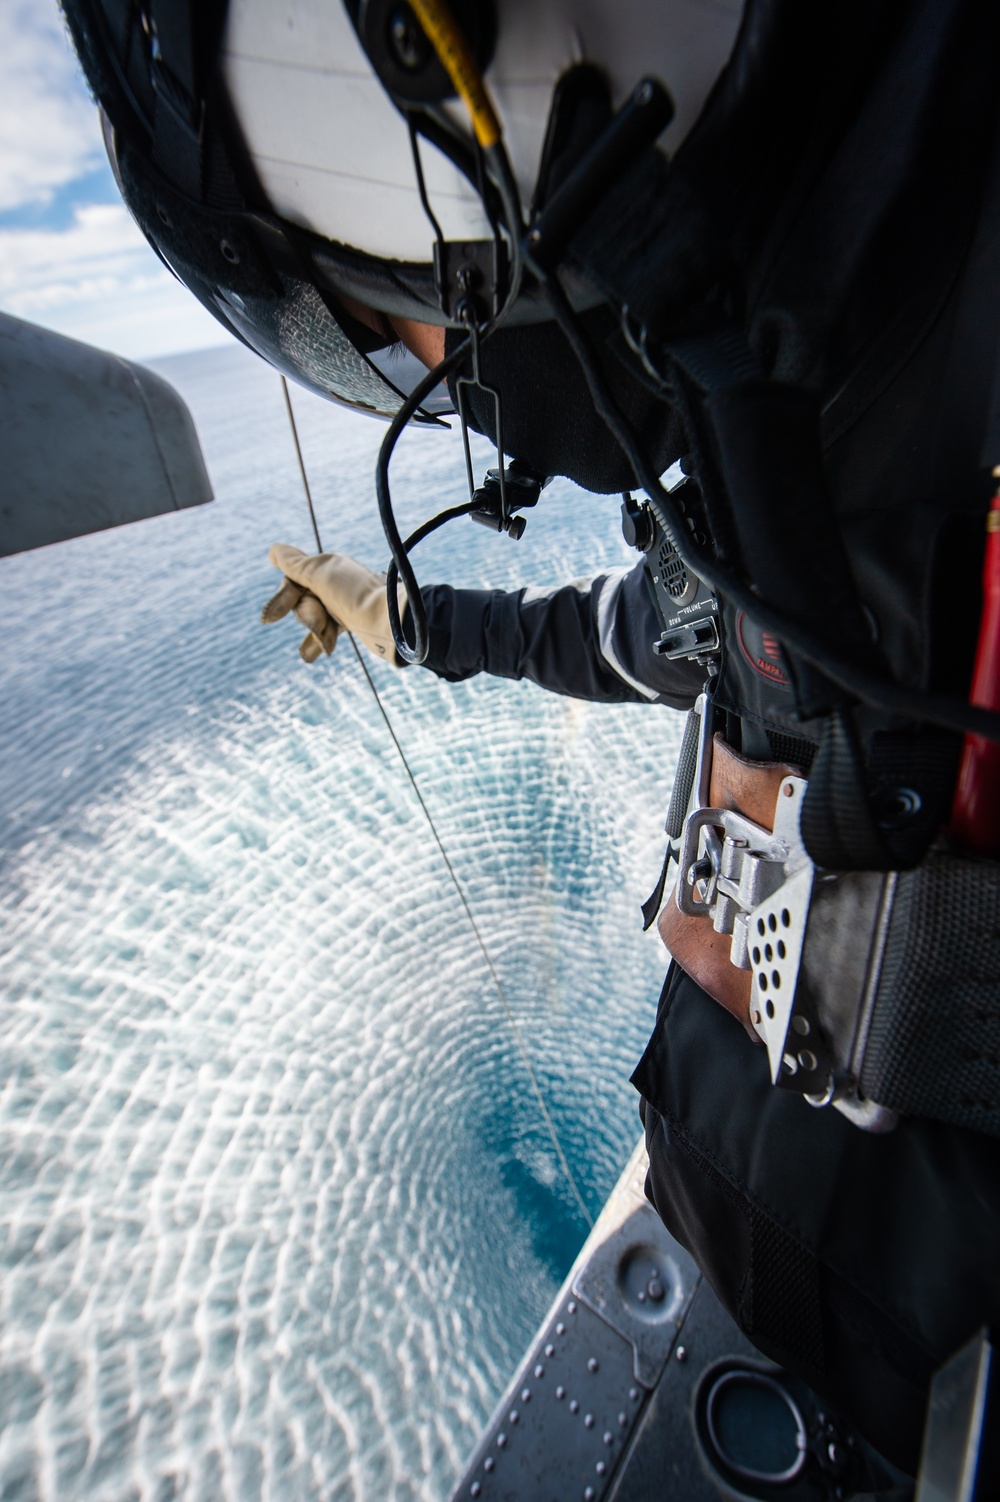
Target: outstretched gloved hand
[(328, 593)]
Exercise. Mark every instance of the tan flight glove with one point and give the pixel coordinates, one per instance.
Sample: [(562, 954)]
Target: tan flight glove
[(329, 592)]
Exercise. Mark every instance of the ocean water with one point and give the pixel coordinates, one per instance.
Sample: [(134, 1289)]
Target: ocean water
[(278, 1207)]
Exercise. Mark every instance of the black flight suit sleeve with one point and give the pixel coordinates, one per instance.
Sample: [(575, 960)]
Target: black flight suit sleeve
[(592, 639)]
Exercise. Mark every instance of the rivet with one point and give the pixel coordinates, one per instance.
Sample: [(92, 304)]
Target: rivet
[(655, 1289), (896, 806), (644, 92), (560, 1393), (560, 1328), (641, 1295), (592, 1364), (574, 1406), (539, 1370), (534, 236), (609, 1438), (623, 1420), (600, 1468), (588, 1494), (681, 1353), (488, 1464), (513, 1416), (501, 1441), (550, 1350), (633, 1393), (588, 1421), (525, 1394), (571, 1307), (475, 1489)]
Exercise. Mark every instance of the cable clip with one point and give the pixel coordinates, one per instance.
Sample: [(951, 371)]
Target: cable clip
[(523, 487)]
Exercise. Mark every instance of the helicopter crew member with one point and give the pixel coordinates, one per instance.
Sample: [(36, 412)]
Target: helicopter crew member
[(793, 295)]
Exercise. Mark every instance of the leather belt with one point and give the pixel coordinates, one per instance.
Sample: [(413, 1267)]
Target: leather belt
[(750, 788)]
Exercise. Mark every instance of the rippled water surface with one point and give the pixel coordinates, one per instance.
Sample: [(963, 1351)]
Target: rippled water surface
[(278, 1209)]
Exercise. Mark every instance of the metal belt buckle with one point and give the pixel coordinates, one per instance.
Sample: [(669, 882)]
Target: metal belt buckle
[(811, 939)]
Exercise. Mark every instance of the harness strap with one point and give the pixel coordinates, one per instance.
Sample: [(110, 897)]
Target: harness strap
[(838, 829)]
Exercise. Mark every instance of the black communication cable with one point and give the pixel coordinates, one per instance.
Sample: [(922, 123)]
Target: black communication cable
[(855, 678), (503, 177), (397, 547), (868, 687)]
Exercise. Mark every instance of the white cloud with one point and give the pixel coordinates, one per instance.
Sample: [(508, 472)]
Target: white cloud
[(95, 279), (99, 280), (48, 126), (42, 269)]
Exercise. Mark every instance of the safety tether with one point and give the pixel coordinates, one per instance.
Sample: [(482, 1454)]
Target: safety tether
[(453, 874)]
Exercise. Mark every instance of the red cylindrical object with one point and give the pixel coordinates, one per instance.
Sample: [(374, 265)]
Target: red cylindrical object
[(975, 814)]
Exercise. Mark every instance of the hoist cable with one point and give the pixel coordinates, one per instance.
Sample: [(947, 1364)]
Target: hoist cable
[(453, 874)]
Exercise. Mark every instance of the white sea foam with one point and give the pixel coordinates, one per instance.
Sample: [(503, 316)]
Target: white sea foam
[(278, 1208)]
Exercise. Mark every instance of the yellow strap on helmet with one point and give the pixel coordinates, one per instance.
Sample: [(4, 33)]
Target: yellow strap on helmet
[(454, 56)]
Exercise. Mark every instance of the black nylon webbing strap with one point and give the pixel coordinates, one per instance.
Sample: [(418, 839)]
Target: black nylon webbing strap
[(684, 776), (680, 795), (654, 901), (838, 829), (721, 359)]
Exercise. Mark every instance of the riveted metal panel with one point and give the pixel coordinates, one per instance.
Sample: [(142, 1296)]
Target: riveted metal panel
[(565, 1422)]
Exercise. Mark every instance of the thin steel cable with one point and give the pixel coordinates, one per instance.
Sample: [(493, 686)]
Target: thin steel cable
[(488, 958)]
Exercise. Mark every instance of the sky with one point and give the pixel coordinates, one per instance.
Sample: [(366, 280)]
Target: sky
[(71, 257)]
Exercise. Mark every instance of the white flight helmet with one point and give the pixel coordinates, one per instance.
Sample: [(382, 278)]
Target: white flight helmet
[(332, 150), (272, 151)]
